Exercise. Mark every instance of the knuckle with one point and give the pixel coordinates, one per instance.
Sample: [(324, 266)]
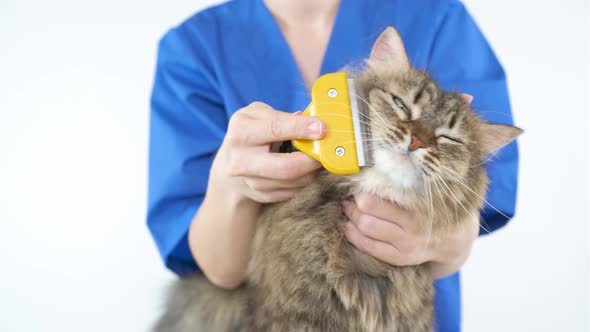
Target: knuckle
[(275, 197), (367, 244), (411, 239), (413, 256), (256, 185), (233, 138), (272, 198), (266, 197), (408, 245), (406, 260), (403, 261), (236, 122), (238, 117), (366, 224), (419, 240), (287, 170), (256, 105), (286, 195), (365, 202), (305, 180), (236, 167), (276, 129), (301, 124)]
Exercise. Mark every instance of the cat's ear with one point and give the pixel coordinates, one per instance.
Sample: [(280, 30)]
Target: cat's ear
[(389, 47), (467, 98), (495, 136)]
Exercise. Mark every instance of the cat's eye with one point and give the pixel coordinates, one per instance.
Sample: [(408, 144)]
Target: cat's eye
[(399, 103), (449, 138)]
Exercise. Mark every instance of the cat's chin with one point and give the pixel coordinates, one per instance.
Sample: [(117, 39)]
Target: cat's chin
[(393, 176), (399, 167)]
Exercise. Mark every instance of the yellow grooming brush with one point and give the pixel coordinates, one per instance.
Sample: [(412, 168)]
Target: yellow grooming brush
[(342, 150)]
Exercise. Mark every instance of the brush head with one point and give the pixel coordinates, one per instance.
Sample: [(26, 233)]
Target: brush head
[(360, 124), (343, 150)]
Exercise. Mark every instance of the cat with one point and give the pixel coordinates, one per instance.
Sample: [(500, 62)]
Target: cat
[(428, 149)]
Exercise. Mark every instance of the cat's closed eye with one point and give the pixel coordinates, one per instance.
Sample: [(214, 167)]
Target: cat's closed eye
[(448, 139)]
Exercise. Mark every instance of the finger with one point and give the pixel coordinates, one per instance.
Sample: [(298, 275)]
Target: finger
[(265, 184), (270, 125), (274, 196), (279, 166), (384, 209), (467, 98), (383, 251), (375, 228), (350, 209)]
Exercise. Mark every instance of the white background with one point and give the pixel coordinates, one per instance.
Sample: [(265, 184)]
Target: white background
[(75, 254)]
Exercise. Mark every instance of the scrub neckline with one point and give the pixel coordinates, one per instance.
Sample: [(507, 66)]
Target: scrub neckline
[(349, 43), (278, 33)]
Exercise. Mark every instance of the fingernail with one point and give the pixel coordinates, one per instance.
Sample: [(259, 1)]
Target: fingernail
[(315, 129)]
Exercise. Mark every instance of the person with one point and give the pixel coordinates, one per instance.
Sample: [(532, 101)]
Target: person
[(227, 82)]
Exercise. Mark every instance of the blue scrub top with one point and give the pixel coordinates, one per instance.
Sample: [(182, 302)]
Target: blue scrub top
[(225, 57)]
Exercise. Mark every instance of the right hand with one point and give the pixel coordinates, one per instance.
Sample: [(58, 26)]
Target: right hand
[(245, 163)]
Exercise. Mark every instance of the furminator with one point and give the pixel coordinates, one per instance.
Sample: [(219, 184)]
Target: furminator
[(344, 149)]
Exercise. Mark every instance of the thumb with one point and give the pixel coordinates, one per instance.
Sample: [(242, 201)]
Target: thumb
[(277, 126)]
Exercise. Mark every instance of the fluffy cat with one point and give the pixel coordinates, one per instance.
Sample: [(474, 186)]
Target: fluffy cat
[(428, 150)]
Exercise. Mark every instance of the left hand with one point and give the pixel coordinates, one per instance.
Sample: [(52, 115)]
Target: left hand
[(394, 235)]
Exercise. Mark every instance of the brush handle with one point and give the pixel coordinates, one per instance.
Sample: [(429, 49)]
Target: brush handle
[(330, 102)]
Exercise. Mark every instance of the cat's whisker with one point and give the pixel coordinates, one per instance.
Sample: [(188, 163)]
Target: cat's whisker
[(357, 97), (383, 121), (490, 157), (434, 181), (339, 131), (372, 142), (383, 124), (443, 202), (457, 200), (452, 172), (430, 213), (370, 125), (507, 115), (482, 222), (372, 110)]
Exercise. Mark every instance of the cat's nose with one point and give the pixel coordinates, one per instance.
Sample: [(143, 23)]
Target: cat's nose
[(416, 144)]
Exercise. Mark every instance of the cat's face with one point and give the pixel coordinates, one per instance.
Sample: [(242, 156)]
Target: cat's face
[(420, 133)]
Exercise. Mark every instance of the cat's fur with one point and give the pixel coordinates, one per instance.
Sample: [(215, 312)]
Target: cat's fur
[(303, 274)]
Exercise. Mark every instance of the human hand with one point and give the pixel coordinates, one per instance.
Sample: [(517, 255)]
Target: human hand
[(245, 163), (394, 235)]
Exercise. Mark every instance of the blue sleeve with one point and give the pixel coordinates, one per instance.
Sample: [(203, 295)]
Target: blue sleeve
[(187, 125), (461, 59)]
